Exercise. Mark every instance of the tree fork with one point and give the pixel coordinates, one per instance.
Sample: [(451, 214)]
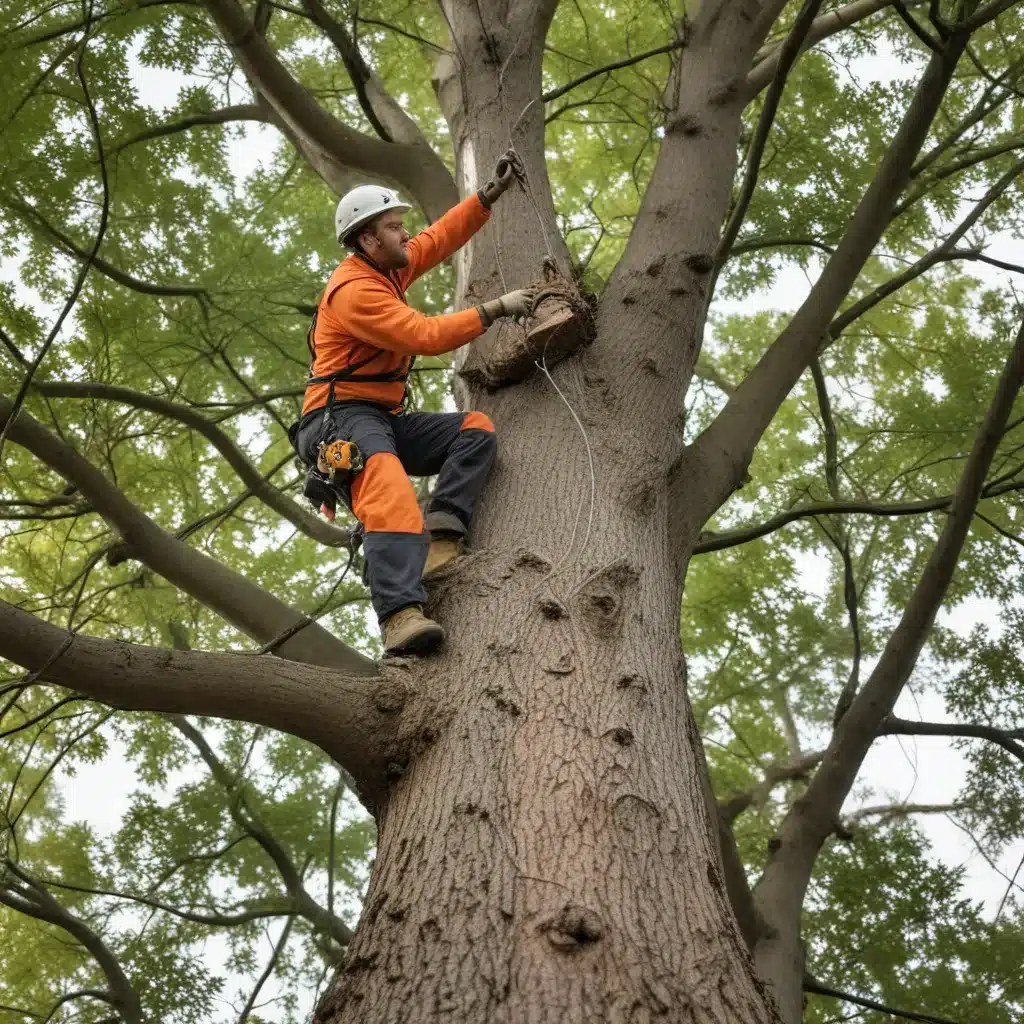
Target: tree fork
[(550, 854)]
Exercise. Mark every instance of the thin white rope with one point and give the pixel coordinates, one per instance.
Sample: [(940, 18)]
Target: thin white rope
[(542, 365)]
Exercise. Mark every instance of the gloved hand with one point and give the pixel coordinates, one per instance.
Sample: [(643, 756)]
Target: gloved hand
[(515, 304), (508, 167)]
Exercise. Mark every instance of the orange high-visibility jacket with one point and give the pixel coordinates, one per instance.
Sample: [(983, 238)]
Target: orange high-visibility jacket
[(363, 317)]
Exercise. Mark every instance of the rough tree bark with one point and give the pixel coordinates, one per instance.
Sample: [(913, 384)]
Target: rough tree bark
[(549, 855)]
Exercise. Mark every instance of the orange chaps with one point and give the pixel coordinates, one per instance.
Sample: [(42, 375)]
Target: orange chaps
[(458, 448)]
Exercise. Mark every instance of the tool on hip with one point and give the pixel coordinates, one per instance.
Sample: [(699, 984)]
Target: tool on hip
[(338, 457)]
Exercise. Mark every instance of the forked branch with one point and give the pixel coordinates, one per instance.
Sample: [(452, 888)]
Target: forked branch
[(245, 605)]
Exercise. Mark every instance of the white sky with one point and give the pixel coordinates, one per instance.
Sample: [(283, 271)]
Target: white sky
[(904, 769)]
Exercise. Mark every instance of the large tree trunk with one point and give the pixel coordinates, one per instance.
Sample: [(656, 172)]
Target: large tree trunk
[(547, 855)]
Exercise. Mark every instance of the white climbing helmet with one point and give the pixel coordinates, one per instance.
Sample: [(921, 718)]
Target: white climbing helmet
[(361, 205)]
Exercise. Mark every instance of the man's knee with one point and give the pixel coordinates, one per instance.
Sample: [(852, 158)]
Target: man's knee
[(383, 498), (485, 441), (477, 421)]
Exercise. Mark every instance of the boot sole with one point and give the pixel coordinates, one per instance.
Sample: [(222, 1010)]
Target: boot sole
[(425, 642)]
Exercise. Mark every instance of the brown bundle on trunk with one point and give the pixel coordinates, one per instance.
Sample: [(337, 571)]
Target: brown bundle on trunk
[(562, 323)]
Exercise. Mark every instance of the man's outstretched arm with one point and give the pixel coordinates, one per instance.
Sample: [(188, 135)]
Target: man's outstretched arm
[(373, 313), (452, 231)]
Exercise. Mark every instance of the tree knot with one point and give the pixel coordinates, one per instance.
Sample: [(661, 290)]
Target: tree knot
[(573, 928), (390, 695)]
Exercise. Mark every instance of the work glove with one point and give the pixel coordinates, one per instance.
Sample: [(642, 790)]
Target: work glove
[(516, 304), (509, 166)]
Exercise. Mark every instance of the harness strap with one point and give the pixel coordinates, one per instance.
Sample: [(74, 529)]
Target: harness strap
[(348, 373)]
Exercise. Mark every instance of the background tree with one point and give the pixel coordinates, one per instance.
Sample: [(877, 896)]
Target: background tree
[(547, 845)]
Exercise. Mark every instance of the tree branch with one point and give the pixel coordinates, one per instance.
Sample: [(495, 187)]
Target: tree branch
[(710, 541), (842, 539), (37, 902), (935, 45), (767, 60), (246, 817), (353, 718), (311, 525), (964, 163), (47, 34), (901, 811), (35, 219), (389, 120), (268, 970), (245, 605), (774, 775), (727, 445), (65, 52), (809, 823), (258, 911), (767, 16), (941, 253), (737, 886), (788, 53), (377, 23), (706, 370), (415, 168), (1008, 739), (240, 112), (810, 985), (753, 244), (554, 94), (995, 93), (988, 13), (90, 256)]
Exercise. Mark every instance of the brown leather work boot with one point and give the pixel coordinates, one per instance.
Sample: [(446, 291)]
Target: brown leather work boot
[(409, 631), (443, 549)]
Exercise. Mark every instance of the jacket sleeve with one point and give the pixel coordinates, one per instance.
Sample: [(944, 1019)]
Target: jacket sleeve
[(435, 244), (373, 313)]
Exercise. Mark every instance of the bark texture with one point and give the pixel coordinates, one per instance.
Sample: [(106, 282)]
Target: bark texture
[(547, 855)]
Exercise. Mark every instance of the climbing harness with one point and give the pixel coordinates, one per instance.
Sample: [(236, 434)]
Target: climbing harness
[(337, 460)]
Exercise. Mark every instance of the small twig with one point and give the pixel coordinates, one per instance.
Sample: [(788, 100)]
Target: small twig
[(19, 398), (841, 541), (271, 965), (787, 57), (1009, 889), (284, 636), (554, 94)]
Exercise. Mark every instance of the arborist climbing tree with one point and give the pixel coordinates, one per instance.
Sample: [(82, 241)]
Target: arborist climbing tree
[(355, 432)]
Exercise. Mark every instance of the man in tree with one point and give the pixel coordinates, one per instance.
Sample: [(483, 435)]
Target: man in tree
[(364, 340)]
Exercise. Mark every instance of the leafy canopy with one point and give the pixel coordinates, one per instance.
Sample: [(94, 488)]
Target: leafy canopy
[(219, 240)]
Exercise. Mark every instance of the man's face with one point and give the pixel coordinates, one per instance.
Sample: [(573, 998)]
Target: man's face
[(385, 241)]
